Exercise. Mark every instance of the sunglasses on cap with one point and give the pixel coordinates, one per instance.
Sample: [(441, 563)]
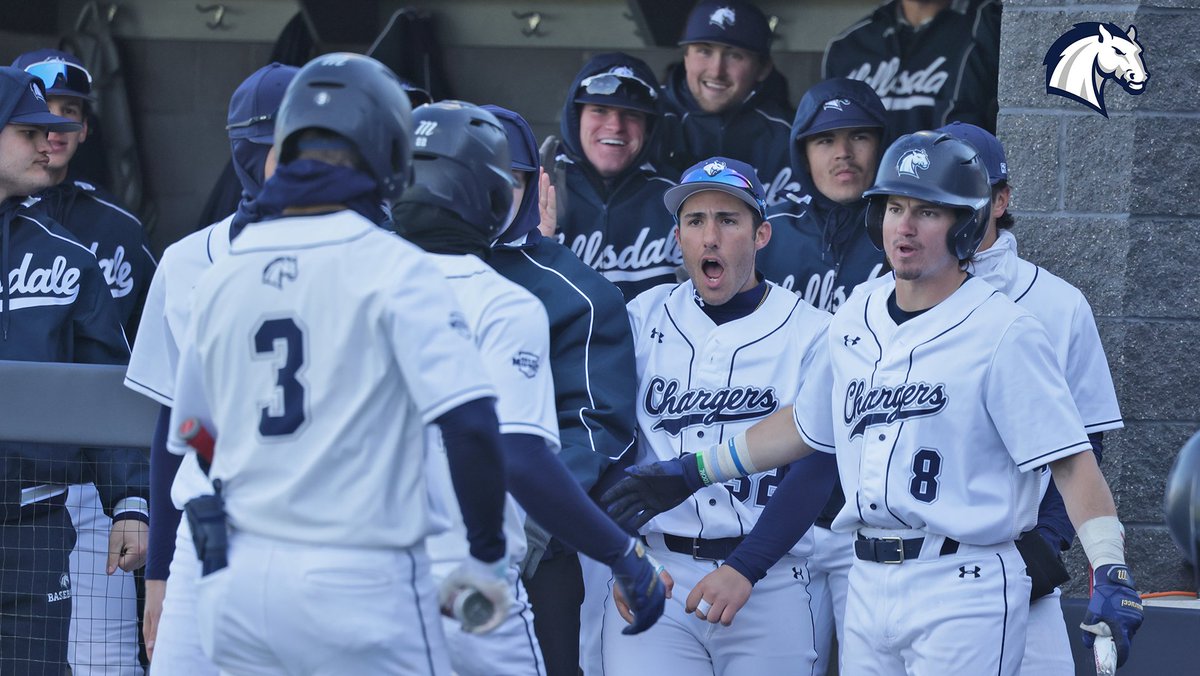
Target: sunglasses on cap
[(717, 172), (61, 75), (250, 122), (607, 84)]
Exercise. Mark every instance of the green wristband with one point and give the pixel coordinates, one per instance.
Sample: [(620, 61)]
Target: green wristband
[(703, 470)]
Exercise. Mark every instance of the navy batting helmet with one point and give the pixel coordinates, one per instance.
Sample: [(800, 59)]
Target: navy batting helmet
[(1181, 504), (940, 169), (461, 160), (359, 99)]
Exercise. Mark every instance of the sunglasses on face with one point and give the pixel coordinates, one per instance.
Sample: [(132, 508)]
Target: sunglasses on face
[(60, 74), (606, 84)]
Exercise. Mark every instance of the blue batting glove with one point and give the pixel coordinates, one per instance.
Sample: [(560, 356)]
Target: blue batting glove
[(1115, 609), (637, 574), (650, 490)]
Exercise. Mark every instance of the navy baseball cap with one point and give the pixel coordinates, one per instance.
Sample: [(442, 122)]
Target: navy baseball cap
[(22, 101), (840, 114), (62, 74), (255, 102), (728, 22), (618, 86), (724, 175), (990, 150)]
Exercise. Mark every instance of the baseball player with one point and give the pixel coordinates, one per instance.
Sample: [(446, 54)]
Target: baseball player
[(707, 355), (54, 307), (172, 639), (320, 458), (104, 603), (946, 399), (459, 200)]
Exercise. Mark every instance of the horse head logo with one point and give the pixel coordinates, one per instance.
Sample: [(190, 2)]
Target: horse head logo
[(284, 268), (722, 18), (911, 161), (715, 167), (836, 104), (1082, 59)]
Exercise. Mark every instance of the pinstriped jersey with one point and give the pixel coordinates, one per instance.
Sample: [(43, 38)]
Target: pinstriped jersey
[(938, 421), (700, 384)]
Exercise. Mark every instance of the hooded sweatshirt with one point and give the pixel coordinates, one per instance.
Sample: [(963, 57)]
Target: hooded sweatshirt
[(754, 132), (819, 248), (591, 346), (928, 76), (617, 226)]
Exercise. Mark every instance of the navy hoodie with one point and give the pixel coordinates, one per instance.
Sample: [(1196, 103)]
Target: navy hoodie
[(755, 132), (55, 306), (591, 346), (618, 226), (113, 234), (819, 248), (927, 77)]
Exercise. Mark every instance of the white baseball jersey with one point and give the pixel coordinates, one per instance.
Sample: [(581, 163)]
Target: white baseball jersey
[(937, 422), (700, 384), (513, 337), (165, 319), (319, 350)]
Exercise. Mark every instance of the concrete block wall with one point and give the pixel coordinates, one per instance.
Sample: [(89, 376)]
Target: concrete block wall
[(1113, 206)]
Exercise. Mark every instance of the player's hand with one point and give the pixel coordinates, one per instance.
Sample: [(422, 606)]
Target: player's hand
[(547, 205), (1115, 609), (489, 579), (719, 595), (127, 545), (650, 490), (641, 589), (156, 591)]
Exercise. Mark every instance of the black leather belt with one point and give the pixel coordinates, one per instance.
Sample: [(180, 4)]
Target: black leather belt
[(896, 550), (717, 549)]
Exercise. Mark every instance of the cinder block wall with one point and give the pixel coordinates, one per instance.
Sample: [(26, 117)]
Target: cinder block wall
[(1113, 206)]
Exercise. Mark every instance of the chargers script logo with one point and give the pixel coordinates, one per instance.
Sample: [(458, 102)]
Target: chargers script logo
[(885, 405), (1085, 57), (678, 410)]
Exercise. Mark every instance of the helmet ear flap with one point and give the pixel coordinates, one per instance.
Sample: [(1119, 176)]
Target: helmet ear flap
[(876, 205)]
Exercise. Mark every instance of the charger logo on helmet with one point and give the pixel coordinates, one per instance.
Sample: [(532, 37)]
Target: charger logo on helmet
[(911, 161), (714, 168)]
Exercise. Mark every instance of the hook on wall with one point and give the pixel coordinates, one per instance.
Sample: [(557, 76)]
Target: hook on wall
[(218, 20), (533, 23)]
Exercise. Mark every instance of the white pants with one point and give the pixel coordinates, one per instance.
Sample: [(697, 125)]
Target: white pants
[(829, 564), (290, 608), (772, 633), (508, 650), (597, 588), (963, 613), (1047, 643), (104, 629), (177, 649)]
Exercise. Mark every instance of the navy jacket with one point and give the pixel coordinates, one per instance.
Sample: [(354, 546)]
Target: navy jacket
[(113, 234), (591, 346), (820, 248), (755, 132), (617, 226), (55, 306), (943, 72)]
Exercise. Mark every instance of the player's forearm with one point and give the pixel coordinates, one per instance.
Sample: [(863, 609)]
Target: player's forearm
[(1091, 508), (544, 487), (472, 438), (771, 442), (164, 518)]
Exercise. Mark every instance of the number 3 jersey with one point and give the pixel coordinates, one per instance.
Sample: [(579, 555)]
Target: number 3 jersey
[(319, 349), (939, 421), (700, 384)]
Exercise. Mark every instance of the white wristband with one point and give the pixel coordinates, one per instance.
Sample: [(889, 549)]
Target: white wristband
[(729, 460), (1103, 540)]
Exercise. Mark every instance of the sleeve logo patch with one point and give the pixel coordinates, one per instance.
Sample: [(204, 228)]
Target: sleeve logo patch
[(527, 363)]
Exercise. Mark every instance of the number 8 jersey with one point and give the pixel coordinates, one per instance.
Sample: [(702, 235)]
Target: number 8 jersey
[(319, 349), (939, 421), (700, 384)]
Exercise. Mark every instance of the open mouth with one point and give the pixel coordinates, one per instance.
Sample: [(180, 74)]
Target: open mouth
[(719, 86), (618, 143), (712, 270)]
